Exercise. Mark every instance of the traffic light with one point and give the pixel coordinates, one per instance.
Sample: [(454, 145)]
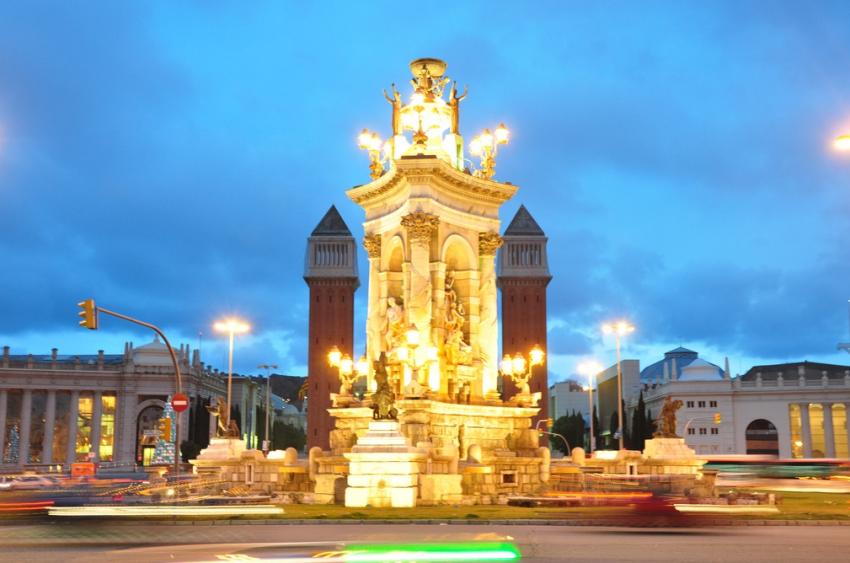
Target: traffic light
[(549, 423), (164, 426), (88, 314), (717, 418)]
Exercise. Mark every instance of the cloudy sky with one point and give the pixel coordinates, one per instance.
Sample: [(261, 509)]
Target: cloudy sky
[(169, 159)]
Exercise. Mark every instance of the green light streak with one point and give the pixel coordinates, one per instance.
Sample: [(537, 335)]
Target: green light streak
[(474, 551)]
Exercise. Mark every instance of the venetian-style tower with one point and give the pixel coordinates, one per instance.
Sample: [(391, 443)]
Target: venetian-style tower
[(523, 277), (330, 271)]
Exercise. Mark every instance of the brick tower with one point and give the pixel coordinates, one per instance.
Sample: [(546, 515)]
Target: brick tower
[(523, 277), (331, 273)]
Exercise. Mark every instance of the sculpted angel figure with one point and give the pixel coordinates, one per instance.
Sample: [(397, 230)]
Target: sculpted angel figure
[(395, 102)]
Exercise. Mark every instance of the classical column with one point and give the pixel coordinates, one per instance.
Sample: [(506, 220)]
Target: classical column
[(806, 430), (96, 411), (488, 326), (3, 399), (49, 423), (420, 227), (26, 420), (374, 317), (73, 415), (828, 430)]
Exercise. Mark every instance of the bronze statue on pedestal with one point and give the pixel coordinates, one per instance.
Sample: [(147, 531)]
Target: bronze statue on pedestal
[(225, 426), (383, 398), (667, 419)]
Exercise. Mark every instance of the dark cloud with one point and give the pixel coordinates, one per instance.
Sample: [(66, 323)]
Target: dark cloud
[(170, 160)]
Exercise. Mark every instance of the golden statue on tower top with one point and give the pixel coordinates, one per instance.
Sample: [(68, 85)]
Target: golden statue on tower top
[(429, 125)]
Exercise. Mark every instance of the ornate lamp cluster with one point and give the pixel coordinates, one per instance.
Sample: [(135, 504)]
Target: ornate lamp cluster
[(486, 147), (519, 369), (418, 358), (349, 370)]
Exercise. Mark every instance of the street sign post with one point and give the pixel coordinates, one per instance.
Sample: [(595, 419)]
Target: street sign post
[(179, 402)]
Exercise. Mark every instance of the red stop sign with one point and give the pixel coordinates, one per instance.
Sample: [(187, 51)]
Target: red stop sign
[(179, 402)]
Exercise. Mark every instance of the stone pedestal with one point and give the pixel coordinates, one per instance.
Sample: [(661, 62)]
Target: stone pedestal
[(223, 449), (668, 449), (383, 468)]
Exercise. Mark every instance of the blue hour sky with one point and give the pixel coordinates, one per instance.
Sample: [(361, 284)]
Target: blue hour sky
[(169, 159)]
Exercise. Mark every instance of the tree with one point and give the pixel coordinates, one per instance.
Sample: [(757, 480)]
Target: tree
[(613, 427), (288, 435), (597, 428), (639, 425), (571, 427)]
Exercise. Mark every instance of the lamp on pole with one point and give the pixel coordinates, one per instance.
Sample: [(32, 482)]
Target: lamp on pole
[(842, 143), (267, 441), (618, 329), (232, 327), (589, 369)]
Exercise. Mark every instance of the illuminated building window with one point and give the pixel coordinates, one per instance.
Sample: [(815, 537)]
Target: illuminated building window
[(107, 426), (84, 420), (816, 425), (839, 424), (796, 431)]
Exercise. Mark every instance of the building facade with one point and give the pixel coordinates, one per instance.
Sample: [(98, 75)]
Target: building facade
[(58, 409), (792, 410)]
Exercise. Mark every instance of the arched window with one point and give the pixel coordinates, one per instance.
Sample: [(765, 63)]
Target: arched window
[(762, 438)]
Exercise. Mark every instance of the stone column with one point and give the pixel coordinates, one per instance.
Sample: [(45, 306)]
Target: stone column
[(846, 422), (374, 317), (3, 400), (420, 227), (49, 423), (73, 415), (488, 327), (828, 430), (96, 411), (26, 420), (805, 430)]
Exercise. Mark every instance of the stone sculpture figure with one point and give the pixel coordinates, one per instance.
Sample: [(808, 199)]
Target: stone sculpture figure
[(667, 419), (225, 426), (383, 399), (394, 329)]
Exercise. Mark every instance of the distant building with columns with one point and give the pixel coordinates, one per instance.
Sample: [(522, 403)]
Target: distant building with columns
[(57, 409), (791, 410)]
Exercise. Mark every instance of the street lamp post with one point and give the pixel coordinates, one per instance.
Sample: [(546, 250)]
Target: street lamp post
[(590, 369), (842, 143), (231, 327), (619, 328), (267, 440)]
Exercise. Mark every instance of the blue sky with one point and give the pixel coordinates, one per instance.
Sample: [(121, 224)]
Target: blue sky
[(169, 159)]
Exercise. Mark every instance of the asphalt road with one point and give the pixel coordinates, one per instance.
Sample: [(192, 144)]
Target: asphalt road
[(96, 541)]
